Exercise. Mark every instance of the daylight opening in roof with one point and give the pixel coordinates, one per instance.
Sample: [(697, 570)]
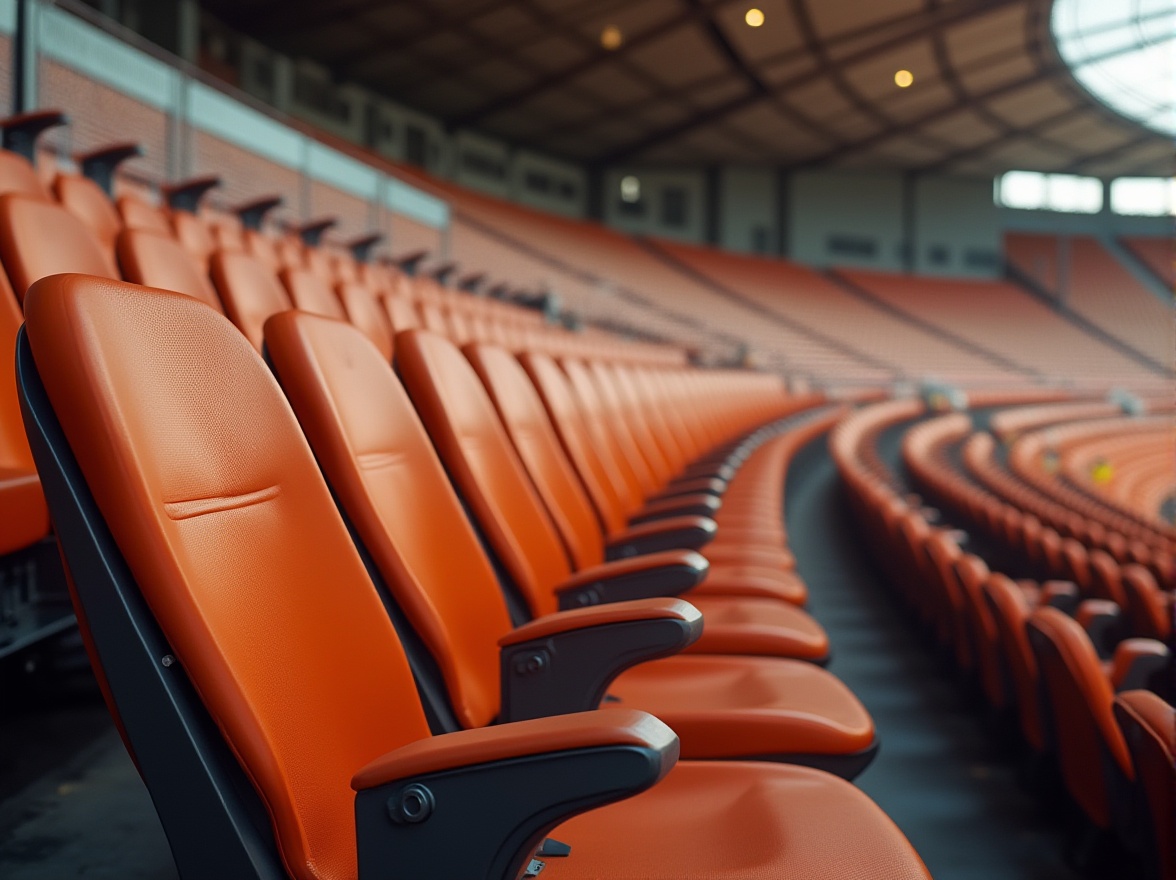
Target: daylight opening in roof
[(1124, 53)]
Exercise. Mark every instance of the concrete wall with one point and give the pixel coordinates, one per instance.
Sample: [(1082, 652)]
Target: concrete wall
[(957, 227), (749, 215), (846, 219)]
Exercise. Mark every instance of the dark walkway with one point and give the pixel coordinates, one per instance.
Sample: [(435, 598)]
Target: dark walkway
[(71, 803), (938, 775)]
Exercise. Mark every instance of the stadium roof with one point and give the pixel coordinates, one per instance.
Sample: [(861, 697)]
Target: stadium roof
[(693, 82)]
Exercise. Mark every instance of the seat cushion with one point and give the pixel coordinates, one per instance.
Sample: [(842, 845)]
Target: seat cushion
[(24, 518), (739, 821), (748, 707), (763, 555), (767, 627), (734, 579)]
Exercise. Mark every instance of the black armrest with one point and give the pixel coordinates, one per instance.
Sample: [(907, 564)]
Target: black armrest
[(679, 533), (253, 212), (312, 232), (19, 133), (692, 486), (700, 504), (99, 165), (1102, 620), (1142, 664), (564, 662), (1062, 595), (656, 575), (185, 195), (721, 470), (361, 248), (477, 803)]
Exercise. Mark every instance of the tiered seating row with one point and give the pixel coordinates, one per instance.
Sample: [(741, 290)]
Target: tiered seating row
[(1105, 722), (1099, 288), (497, 550), (1003, 319)]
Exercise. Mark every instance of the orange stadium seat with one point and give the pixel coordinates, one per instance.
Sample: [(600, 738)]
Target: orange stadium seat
[(243, 503)]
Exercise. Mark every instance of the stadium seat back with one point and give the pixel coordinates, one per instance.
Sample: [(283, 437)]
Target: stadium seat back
[(382, 467), (309, 293), (39, 238), (194, 236), (1149, 726), (137, 214), (534, 438), (487, 472), (207, 486), (553, 388), (401, 315), (363, 310), (156, 260), (619, 463), (250, 292), (1149, 612), (262, 248), (17, 175), (84, 199), (1010, 612), (1079, 696)]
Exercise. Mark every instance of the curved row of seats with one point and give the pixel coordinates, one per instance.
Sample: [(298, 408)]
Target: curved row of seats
[(1031, 645), (355, 608)]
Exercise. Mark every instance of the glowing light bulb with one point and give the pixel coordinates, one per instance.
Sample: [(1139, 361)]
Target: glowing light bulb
[(903, 79), (754, 17), (611, 37)]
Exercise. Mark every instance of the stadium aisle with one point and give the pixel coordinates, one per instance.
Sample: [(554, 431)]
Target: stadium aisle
[(938, 775), (71, 803)]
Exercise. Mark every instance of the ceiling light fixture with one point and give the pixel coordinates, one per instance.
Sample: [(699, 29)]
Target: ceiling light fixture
[(611, 38), (754, 17), (903, 79)]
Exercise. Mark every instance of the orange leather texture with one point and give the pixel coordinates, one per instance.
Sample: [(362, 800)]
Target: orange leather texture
[(309, 293), (155, 260), (1149, 726), (602, 615), (751, 707), (210, 491), (738, 821), (465, 748), (477, 453), (84, 199), (39, 238), (381, 465), (249, 291)]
